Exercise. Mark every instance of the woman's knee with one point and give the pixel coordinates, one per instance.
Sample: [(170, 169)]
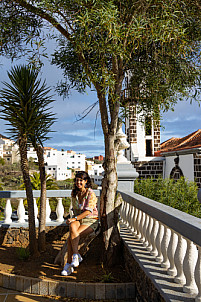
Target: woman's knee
[(73, 227)]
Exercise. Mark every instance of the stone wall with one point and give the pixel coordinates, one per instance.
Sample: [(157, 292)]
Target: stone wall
[(145, 290), (20, 236), (148, 169)]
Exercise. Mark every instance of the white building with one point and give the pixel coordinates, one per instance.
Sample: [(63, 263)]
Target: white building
[(95, 171), (9, 150), (60, 164)]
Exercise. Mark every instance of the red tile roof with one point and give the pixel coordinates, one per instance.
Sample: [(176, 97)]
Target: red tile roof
[(190, 141)]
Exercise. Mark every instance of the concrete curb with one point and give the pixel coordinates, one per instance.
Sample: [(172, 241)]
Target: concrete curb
[(117, 291)]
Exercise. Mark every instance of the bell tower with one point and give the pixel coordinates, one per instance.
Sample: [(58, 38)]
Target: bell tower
[(143, 134)]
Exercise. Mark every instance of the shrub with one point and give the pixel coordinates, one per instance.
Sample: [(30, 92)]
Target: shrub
[(180, 194)]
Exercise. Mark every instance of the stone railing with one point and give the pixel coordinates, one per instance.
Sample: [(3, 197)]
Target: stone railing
[(171, 236), (21, 195)]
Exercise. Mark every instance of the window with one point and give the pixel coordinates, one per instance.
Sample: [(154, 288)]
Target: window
[(148, 147), (148, 125)]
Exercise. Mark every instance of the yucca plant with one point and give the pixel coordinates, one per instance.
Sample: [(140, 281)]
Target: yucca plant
[(25, 108)]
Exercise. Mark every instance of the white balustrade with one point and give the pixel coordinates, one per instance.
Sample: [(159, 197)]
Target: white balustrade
[(159, 237), (8, 212), (154, 232), (60, 210), (145, 230), (172, 271), (35, 210), (190, 260), (132, 227), (164, 246), (149, 232), (198, 275), (21, 211), (179, 260), (135, 222), (178, 255), (48, 210), (139, 214), (141, 226)]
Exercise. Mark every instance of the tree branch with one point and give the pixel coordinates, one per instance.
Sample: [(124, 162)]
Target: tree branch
[(39, 12)]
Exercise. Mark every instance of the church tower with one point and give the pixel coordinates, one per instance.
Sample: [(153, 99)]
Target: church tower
[(143, 134)]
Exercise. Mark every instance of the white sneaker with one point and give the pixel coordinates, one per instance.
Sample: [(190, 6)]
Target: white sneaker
[(67, 270), (75, 261), (80, 258)]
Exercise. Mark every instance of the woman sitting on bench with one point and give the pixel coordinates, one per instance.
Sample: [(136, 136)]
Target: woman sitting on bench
[(85, 220)]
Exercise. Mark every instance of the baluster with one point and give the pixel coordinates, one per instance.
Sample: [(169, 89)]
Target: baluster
[(135, 222), (189, 268), (8, 212), (127, 214), (48, 210), (179, 260), (198, 275), (164, 246), (149, 232), (159, 237), (142, 222), (133, 219), (138, 235), (122, 212), (35, 210), (60, 211), (171, 252), (130, 216), (145, 230), (21, 211), (154, 232)]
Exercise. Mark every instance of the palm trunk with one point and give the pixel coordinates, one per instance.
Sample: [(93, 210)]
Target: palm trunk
[(42, 212), (108, 207), (29, 194)]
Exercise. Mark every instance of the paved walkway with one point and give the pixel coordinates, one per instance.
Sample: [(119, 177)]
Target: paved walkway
[(7, 295)]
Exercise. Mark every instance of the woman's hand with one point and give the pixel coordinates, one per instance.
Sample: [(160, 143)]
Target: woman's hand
[(68, 221)]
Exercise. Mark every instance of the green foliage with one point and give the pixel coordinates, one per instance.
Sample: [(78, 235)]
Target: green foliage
[(65, 201), (23, 253), (25, 106), (2, 161), (36, 184), (181, 195), (107, 278)]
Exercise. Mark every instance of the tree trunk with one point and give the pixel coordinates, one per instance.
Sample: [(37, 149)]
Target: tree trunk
[(42, 211), (108, 207), (33, 247)]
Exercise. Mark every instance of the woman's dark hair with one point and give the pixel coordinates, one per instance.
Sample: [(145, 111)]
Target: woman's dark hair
[(83, 175)]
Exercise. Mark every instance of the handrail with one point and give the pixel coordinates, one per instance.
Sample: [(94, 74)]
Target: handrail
[(183, 223), (36, 193), (171, 236)]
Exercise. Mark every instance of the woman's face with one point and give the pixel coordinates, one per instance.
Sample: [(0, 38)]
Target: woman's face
[(80, 183)]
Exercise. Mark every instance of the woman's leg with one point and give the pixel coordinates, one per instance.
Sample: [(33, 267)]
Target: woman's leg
[(77, 230), (70, 251)]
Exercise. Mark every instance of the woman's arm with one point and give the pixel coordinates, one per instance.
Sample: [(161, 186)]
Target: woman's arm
[(79, 217)]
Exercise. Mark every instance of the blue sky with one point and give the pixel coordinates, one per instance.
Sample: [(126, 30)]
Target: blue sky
[(86, 136)]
